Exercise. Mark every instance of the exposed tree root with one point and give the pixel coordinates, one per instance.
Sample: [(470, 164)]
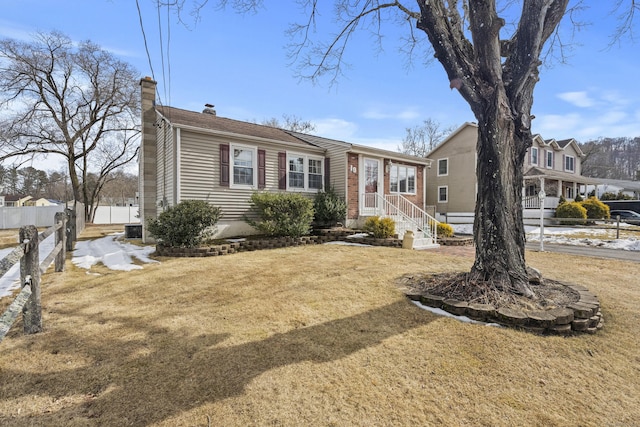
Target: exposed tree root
[(461, 287)]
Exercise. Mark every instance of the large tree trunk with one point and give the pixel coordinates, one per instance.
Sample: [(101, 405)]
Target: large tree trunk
[(498, 226)]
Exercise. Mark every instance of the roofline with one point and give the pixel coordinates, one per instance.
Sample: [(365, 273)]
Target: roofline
[(240, 135), (452, 135), (365, 149)]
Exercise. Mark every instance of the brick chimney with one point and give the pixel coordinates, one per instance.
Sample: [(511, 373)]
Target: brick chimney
[(147, 164)]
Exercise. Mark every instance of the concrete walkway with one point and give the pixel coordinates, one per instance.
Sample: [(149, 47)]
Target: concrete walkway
[(588, 251)]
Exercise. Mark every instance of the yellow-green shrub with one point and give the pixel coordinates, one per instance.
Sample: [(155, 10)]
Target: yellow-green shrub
[(444, 230), (571, 210), (595, 208), (380, 228)]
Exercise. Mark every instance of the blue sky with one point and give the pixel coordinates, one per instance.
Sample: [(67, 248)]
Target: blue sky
[(239, 63)]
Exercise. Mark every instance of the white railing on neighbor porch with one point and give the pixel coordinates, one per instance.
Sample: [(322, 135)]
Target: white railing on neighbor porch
[(533, 202), (406, 215)]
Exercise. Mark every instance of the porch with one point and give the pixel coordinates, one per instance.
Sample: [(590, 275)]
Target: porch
[(406, 215)]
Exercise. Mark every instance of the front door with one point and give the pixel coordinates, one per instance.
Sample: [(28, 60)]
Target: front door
[(371, 186)]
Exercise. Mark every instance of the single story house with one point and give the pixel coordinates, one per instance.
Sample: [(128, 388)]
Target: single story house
[(551, 165), (201, 156)]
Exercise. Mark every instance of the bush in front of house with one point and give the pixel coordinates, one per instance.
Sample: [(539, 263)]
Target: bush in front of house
[(380, 228), (595, 208), (186, 224), (571, 210), (281, 214), (330, 208), (444, 230)]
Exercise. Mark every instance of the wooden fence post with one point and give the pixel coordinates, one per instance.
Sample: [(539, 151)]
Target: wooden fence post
[(30, 275), (60, 237), (71, 228)]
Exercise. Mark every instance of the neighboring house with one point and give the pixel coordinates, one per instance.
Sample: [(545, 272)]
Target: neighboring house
[(42, 202), (551, 165), (15, 200), (615, 186), (192, 155)]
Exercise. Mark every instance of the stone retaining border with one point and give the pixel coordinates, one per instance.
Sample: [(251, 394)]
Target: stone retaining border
[(272, 243), (578, 317)]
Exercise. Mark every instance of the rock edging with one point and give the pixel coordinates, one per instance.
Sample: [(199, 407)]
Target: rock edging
[(273, 243), (582, 316)]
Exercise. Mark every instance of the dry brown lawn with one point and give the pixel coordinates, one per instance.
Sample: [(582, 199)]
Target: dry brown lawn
[(311, 336)]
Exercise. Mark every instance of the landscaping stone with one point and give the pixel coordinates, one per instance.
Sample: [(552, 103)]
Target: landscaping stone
[(482, 312), (511, 317), (454, 306)]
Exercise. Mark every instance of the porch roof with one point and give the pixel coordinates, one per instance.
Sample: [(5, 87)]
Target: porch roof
[(363, 149), (537, 173)]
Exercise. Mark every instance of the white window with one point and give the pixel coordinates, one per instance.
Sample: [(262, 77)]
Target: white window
[(443, 194), (244, 166), (569, 163), (443, 167), (549, 160), (534, 155), (304, 172), (402, 179), (316, 178)]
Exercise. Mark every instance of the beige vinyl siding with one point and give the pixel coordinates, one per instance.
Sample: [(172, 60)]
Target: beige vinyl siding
[(200, 172), (337, 167), (165, 183), (460, 179)]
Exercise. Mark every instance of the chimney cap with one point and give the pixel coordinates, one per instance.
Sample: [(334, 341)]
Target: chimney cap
[(208, 109)]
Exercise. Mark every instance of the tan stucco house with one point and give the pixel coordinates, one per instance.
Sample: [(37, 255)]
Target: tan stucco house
[(552, 165), (202, 156)]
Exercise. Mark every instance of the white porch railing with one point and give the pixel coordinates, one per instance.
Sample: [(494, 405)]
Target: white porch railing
[(533, 202), (406, 215)]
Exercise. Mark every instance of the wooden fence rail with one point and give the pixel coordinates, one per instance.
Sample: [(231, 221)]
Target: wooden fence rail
[(27, 253)]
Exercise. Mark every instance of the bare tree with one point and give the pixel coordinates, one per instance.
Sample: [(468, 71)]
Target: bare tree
[(494, 67), (491, 54), (420, 140), (292, 123), (71, 100)]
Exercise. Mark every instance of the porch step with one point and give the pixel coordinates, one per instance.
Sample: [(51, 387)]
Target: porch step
[(424, 243)]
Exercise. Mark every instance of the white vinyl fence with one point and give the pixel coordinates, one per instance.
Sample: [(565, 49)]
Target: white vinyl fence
[(43, 216), (40, 216), (117, 215)]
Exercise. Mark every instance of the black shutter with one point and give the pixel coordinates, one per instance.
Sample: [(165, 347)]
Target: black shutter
[(282, 171), (262, 174), (224, 165), (327, 173)]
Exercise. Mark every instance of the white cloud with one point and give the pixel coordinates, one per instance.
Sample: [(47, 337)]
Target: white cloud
[(556, 125), (406, 114), (579, 99), (333, 128)]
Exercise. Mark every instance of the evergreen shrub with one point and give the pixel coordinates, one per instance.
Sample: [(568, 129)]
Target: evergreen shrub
[(186, 224), (595, 208), (444, 230), (380, 228), (330, 208), (281, 214), (571, 210)]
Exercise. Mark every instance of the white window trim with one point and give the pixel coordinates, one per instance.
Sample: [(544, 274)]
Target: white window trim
[(573, 162), (446, 200), (233, 147), (305, 168), (546, 159), (438, 166), (537, 162), (415, 180)]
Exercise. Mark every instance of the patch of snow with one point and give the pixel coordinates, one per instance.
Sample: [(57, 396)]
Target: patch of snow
[(441, 312), (562, 236), (346, 244), (11, 280), (113, 253), (357, 235)]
